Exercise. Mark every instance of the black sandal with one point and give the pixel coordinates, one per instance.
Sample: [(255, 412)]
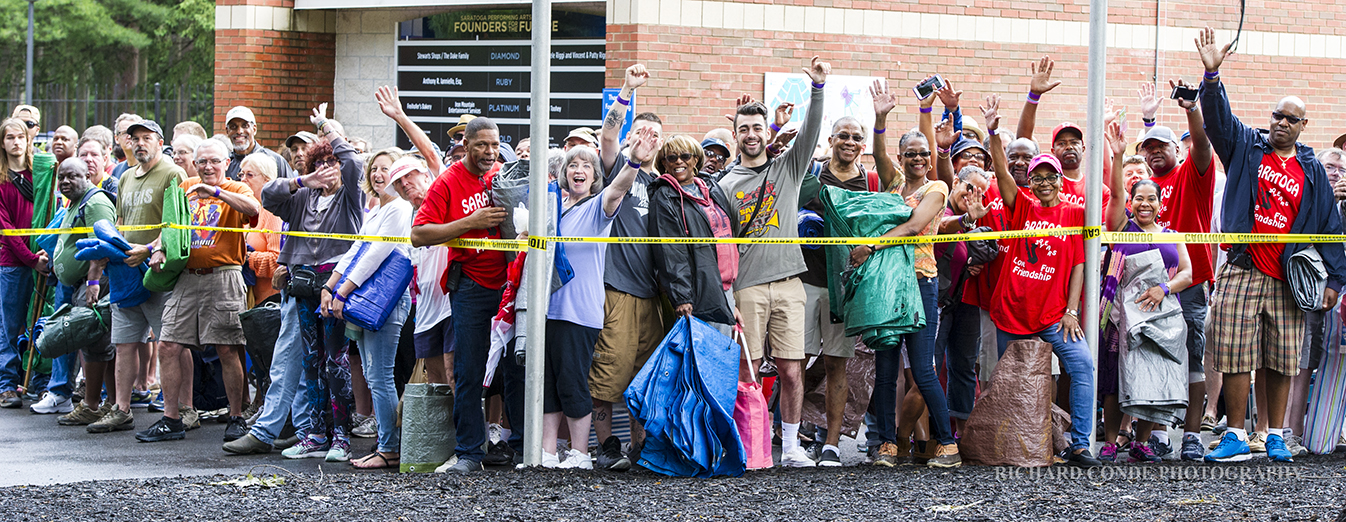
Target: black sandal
[(387, 462)]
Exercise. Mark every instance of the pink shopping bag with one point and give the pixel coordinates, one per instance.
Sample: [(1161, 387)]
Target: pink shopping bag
[(751, 416)]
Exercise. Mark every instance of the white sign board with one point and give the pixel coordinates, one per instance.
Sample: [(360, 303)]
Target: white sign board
[(842, 96)]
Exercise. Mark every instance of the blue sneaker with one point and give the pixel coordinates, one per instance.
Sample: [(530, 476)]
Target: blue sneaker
[(1276, 449), (1231, 449), (1191, 448), (157, 404), (140, 399)]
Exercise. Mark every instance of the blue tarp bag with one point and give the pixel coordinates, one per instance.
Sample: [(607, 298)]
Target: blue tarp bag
[(127, 289), (370, 305), (684, 396)]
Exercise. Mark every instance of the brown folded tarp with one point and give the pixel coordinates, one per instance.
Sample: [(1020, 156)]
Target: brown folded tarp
[(1011, 423), (859, 384)]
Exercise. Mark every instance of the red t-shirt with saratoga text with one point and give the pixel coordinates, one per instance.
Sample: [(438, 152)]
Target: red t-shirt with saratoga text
[(1187, 199), (454, 195), (981, 287), (1280, 189), (1030, 294)]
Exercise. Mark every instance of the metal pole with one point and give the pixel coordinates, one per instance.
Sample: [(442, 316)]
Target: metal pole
[(1093, 213), (536, 267), (28, 71), (158, 116)]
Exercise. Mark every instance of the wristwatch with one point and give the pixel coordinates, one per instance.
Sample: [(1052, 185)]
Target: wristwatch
[(967, 225), (1073, 313)]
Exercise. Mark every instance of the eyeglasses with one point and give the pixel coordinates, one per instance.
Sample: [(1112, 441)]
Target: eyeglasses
[(30, 123), (858, 138), (714, 155), (327, 162), (209, 161), (972, 155), (673, 158), (911, 154), (1278, 116), (1044, 180)]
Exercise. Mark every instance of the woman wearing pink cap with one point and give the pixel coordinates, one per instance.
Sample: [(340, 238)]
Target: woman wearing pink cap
[(378, 349), (1038, 292)]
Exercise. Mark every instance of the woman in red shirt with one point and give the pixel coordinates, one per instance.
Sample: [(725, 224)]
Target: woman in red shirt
[(1038, 291)]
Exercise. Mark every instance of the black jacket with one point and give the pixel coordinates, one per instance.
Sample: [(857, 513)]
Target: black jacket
[(689, 273)]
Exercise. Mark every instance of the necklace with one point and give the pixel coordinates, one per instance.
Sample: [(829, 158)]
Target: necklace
[(1284, 159)]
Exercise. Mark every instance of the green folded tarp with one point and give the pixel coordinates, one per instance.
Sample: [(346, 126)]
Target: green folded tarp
[(878, 300)]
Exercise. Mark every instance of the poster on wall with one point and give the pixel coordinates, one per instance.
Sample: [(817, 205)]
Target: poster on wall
[(479, 63), (842, 96)]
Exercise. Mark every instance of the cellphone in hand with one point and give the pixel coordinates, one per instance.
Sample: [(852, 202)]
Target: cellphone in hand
[(928, 87), (1184, 93)]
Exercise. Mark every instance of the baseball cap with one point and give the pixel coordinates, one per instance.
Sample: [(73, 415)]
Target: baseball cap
[(1064, 126), (1045, 159), (585, 134), (462, 124), (147, 125), (402, 167), (305, 136), (970, 124), (240, 112), (717, 142), (1188, 134), (1341, 140), (1161, 133)]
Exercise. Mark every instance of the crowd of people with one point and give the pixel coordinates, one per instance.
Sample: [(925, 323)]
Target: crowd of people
[(332, 375)]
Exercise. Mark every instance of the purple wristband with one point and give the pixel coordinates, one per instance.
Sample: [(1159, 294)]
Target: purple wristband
[(623, 102), (1165, 287), (217, 192), (927, 110), (1034, 97), (1212, 75), (633, 164), (880, 131), (91, 282), (339, 297), (817, 85), (775, 128), (1149, 124)]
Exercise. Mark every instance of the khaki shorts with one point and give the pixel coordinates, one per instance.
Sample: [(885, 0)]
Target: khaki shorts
[(775, 309), (632, 329), (133, 324), (821, 335), (1255, 323), (204, 309)]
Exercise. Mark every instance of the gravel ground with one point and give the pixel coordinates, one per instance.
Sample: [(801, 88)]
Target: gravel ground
[(1311, 489)]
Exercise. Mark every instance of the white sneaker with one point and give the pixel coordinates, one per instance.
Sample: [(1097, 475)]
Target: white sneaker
[(576, 460), (796, 458), (493, 433), (443, 468), (52, 403), (550, 460)]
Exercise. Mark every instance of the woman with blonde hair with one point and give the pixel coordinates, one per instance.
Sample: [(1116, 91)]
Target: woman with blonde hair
[(17, 260)]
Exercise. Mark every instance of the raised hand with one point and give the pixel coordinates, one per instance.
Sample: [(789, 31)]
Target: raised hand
[(741, 101), (783, 139), (949, 96), (884, 100), (1149, 103), (945, 135), (1173, 84), (1116, 139), (636, 76), (319, 114), (1041, 80), (389, 102), (991, 113), (1212, 55), (645, 146), (818, 70), (784, 112)]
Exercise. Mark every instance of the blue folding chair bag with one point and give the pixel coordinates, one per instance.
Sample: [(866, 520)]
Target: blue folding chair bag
[(370, 305)]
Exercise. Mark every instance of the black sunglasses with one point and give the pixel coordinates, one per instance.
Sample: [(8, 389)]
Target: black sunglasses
[(31, 124), (1278, 116), (913, 154), (673, 158), (849, 137)]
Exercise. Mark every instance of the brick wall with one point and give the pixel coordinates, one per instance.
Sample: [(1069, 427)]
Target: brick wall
[(280, 75), (698, 72)]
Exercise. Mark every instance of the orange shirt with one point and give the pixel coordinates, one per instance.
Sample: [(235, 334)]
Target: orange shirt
[(212, 248), (265, 251)]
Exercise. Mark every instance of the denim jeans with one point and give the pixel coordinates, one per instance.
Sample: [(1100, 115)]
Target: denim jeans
[(473, 307), (1079, 365), (378, 355), (287, 394), (16, 294), (921, 352), (63, 367), (959, 340)]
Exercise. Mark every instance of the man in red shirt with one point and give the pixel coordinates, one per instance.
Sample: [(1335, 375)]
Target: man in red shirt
[(1187, 193), (458, 205), (1256, 321)]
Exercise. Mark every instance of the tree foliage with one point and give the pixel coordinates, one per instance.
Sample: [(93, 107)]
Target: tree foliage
[(109, 41)]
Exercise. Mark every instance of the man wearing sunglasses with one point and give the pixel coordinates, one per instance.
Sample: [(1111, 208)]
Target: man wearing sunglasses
[(1255, 321)]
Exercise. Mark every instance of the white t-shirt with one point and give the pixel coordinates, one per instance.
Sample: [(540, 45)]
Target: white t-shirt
[(432, 304)]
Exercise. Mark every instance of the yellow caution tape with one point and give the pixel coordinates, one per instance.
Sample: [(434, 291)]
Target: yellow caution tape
[(540, 243)]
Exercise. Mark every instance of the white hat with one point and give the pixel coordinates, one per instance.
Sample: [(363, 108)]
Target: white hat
[(241, 112), (401, 168)]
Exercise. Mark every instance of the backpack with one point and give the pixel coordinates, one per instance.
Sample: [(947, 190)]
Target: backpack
[(176, 243)]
